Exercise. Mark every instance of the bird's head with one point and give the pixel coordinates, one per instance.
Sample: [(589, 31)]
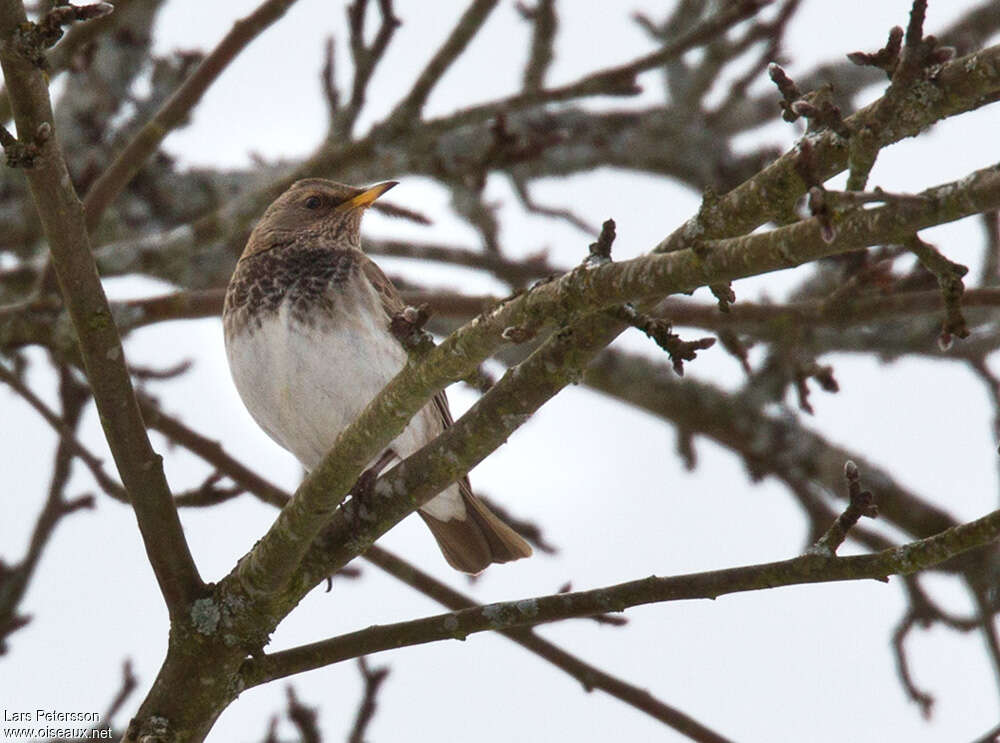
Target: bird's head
[(314, 207)]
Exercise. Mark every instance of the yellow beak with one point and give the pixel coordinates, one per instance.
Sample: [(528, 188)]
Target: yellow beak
[(368, 196)]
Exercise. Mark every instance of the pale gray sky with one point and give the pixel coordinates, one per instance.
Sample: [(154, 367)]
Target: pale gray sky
[(804, 664)]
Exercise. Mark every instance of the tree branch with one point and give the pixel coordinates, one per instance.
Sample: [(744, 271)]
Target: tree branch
[(366, 58), (62, 218), (768, 444), (544, 22), (274, 559), (175, 110), (373, 680), (767, 322), (964, 85), (620, 80), (772, 192), (468, 25), (590, 676), (806, 569), (67, 435), (14, 581)]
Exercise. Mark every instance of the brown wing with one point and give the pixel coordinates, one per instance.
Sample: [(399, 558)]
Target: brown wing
[(482, 537), (391, 301), (393, 304), (472, 543)]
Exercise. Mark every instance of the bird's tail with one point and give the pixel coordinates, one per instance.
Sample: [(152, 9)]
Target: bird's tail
[(481, 538)]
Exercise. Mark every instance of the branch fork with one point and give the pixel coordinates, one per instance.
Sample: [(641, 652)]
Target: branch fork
[(408, 328), (30, 39), (861, 504), (22, 154)]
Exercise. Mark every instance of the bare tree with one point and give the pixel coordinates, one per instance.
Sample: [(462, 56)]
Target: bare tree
[(876, 288)]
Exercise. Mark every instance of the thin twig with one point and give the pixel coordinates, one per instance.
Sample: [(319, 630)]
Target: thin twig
[(373, 678), (365, 57), (129, 684), (949, 276), (544, 22), (990, 274), (66, 434), (924, 700), (618, 80), (14, 581), (303, 717), (468, 25), (523, 191), (860, 503)]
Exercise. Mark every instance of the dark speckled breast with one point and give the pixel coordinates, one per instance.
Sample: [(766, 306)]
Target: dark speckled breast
[(306, 276)]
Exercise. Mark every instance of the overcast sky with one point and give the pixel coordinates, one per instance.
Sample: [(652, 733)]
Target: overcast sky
[(807, 664)]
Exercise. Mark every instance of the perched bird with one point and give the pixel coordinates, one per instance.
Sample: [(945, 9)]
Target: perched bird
[(306, 323)]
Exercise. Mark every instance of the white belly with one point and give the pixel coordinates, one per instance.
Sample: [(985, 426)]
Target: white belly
[(304, 383)]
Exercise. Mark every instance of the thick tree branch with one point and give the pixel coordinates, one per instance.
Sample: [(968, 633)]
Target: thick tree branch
[(590, 676), (62, 217)]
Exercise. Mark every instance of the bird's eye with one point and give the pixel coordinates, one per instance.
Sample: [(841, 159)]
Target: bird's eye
[(313, 202)]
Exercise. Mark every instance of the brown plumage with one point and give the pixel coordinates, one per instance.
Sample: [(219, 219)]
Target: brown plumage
[(306, 323)]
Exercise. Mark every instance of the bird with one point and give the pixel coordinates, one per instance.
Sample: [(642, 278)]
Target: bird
[(306, 321)]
